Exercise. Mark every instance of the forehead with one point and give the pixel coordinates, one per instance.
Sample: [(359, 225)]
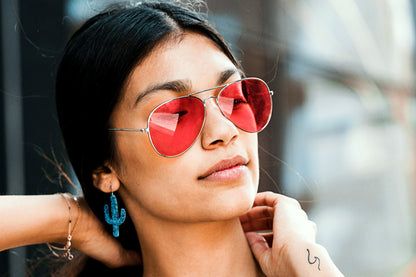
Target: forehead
[(193, 57)]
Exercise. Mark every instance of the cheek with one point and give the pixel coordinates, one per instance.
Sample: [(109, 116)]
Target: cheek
[(148, 179), (158, 190), (133, 148), (251, 141), (135, 159), (166, 187)]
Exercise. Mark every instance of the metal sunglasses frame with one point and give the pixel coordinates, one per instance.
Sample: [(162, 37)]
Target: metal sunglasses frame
[(223, 87)]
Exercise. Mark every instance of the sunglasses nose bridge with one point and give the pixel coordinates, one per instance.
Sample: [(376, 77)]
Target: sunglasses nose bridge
[(204, 100), (215, 102), (209, 97)]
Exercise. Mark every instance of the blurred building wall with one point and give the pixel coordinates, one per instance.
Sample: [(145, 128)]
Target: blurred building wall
[(351, 141), (32, 36)]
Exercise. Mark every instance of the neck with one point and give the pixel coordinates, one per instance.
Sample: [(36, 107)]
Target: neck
[(196, 249)]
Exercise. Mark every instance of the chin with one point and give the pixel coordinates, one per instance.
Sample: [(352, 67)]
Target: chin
[(236, 201)]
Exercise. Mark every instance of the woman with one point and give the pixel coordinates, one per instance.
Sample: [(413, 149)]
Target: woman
[(157, 115)]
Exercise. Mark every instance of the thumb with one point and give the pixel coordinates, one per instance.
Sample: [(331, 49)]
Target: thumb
[(258, 245)]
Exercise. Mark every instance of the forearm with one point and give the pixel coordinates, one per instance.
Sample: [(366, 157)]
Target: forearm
[(26, 220)]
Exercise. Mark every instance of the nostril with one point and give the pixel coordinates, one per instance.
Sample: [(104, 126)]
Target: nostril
[(217, 141)]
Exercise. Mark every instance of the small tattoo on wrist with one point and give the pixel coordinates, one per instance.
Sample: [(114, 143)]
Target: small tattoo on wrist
[(316, 259)]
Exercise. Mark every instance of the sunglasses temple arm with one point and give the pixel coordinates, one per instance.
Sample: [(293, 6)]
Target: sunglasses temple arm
[(130, 130)]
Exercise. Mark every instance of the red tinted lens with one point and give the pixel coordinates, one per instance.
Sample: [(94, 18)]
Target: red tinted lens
[(174, 125), (247, 103)]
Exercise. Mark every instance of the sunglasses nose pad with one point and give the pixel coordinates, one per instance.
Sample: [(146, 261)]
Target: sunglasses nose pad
[(215, 107)]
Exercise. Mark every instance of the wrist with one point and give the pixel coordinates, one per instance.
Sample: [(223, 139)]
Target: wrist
[(86, 222), (73, 210), (66, 217), (306, 258)]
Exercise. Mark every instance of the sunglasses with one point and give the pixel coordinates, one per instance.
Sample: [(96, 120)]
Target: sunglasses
[(174, 125)]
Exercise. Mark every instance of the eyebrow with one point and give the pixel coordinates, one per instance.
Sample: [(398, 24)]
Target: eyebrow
[(184, 85)]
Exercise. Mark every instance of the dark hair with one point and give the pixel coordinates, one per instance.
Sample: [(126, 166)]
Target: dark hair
[(96, 63)]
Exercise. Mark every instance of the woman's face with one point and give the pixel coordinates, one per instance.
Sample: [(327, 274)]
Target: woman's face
[(184, 188)]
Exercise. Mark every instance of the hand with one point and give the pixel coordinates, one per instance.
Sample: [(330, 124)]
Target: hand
[(288, 247), (91, 238)]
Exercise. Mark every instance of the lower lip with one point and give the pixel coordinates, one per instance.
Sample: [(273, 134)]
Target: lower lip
[(227, 174)]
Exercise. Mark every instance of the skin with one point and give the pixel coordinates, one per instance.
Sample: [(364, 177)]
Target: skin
[(187, 226), (198, 61), (185, 223), (281, 254), (182, 210)]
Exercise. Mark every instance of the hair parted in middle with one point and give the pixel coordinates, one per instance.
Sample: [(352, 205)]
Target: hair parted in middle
[(95, 66)]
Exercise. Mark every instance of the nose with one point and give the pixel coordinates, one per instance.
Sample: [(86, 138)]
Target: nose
[(218, 131)]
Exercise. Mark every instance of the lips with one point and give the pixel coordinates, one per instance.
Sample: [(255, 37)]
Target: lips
[(224, 165)]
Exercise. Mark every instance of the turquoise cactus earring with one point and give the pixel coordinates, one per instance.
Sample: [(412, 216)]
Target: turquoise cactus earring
[(114, 220)]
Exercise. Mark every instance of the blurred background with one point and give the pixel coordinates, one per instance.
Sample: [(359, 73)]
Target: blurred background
[(342, 137)]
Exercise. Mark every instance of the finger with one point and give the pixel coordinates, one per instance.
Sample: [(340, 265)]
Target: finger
[(264, 224), (257, 213), (269, 238), (271, 199), (258, 219), (265, 199), (258, 245)]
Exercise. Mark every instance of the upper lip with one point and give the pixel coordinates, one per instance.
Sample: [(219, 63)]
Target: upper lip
[(224, 164)]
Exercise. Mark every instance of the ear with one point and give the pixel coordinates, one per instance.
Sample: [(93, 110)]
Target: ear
[(105, 179)]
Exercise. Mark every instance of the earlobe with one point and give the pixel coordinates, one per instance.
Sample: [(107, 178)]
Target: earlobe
[(105, 179)]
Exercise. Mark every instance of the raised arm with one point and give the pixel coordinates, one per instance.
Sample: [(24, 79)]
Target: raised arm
[(26, 220)]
